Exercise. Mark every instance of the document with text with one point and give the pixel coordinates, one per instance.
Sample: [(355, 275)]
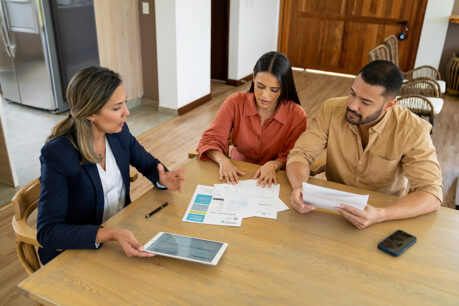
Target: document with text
[(207, 207), (253, 200)]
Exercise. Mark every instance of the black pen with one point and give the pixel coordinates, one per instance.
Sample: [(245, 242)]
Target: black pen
[(157, 209)]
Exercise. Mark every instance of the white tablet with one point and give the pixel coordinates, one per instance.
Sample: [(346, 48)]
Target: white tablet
[(187, 248)]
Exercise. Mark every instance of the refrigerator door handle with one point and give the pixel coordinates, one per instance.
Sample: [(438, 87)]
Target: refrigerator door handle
[(10, 47)]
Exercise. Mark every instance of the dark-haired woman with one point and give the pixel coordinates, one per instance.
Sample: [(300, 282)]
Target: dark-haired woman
[(85, 169), (264, 123)]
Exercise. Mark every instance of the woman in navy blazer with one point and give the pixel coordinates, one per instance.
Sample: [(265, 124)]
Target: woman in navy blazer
[(72, 198)]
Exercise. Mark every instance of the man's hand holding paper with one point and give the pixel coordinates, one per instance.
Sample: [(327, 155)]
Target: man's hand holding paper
[(359, 218), (331, 199), (298, 203), (352, 206)]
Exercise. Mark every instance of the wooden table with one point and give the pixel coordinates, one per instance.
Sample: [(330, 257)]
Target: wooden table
[(316, 258)]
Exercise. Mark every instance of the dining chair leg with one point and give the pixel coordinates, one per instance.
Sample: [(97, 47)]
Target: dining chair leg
[(431, 120)]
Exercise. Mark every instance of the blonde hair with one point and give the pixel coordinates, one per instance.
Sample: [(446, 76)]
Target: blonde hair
[(87, 93)]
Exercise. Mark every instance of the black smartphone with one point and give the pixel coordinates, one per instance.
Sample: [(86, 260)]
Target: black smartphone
[(397, 243)]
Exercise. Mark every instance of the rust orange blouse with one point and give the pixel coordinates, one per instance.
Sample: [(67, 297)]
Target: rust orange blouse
[(252, 141)]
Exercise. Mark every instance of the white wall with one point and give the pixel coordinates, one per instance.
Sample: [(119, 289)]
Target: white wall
[(166, 53), (193, 49), (253, 32), (433, 33), (183, 47)]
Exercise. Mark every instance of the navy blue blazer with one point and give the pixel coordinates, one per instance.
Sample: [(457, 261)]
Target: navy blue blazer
[(71, 204)]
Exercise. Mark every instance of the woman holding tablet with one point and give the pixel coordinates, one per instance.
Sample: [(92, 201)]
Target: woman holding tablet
[(85, 169), (264, 123)]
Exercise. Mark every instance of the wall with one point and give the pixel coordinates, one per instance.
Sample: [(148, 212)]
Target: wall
[(149, 56), (193, 49), (183, 40), (166, 43), (118, 39), (433, 33), (451, 42), (253, 32)]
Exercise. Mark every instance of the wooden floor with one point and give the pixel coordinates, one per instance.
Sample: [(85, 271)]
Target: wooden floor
[(171, 141)]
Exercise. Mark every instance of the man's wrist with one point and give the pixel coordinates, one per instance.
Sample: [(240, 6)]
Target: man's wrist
[(298, 186), (381, 214)]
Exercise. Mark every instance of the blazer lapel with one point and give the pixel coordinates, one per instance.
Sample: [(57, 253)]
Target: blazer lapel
[(93, 174)]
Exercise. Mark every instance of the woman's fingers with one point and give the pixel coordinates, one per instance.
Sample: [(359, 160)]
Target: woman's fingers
[(257, 174), (234, 178), (130, 245), (161, 169), (230, 173)]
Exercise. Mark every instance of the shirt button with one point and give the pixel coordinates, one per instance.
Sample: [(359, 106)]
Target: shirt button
[(360, 162), (358, 179)]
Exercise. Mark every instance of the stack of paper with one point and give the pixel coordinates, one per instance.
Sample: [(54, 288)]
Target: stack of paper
[(226, 204), (330, 198)]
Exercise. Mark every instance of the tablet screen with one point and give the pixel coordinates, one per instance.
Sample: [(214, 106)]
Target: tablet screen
[(187, 247)]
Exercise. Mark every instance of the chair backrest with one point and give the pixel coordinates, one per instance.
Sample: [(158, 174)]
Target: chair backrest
[(422, 86), (418, 104), (392, 45), (24, 202), (381, 52)]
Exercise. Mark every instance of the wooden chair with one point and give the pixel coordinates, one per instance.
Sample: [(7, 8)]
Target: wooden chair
[(421, 86), (425, 71), (428, 90), (381, 52), (24, 203), (422, 106), (392, 45)]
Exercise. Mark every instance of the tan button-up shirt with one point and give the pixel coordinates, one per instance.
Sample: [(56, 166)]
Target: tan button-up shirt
[(399, 157)]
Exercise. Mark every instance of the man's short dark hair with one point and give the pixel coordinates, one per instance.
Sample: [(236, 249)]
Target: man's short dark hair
[(385, 74)]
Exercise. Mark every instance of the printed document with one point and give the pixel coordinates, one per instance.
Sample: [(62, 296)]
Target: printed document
[(207, 207), (226, 204), (330, 198), (265, 202)]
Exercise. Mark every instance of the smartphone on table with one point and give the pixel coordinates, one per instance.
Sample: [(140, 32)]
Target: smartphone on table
[(397, 243)]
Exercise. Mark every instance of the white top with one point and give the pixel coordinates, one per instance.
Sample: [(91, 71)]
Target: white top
[(112, 184)]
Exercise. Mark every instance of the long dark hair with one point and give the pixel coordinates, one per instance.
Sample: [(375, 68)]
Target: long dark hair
[(278, 65)]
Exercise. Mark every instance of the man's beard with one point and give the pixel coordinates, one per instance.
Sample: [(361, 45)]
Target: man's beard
[(361, 120)]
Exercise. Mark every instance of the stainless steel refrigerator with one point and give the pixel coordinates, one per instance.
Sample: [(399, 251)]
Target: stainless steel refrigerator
[(43, 43)]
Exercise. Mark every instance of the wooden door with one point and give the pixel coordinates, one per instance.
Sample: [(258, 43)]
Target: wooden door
[(336, 35)]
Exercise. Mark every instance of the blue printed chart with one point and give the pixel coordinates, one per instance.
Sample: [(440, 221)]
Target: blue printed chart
[(206, 207)]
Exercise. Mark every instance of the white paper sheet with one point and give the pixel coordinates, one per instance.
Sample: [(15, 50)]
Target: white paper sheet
[(281, 206), (330, 198), (207, 207), (253, 200)]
